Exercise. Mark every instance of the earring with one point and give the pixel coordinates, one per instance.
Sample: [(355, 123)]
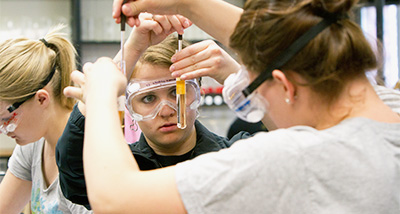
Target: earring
[(287, 100)]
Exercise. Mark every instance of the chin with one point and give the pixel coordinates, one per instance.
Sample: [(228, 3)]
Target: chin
[(21, 143)]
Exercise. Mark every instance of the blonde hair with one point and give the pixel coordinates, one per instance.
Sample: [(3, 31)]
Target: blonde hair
[(160, 54), (26, 63)]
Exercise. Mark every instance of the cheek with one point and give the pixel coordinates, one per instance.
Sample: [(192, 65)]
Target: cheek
[(28, 132), (274, 106), (145, 126), (190, 117)]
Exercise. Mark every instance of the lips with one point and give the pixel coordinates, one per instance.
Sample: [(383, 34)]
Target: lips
[(168, 127)]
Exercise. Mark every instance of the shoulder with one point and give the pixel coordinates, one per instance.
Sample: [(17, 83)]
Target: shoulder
[(76, 117), (30, 150), (25, 158)]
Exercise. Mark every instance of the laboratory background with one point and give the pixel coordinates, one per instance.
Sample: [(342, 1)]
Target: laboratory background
[(94, 34)]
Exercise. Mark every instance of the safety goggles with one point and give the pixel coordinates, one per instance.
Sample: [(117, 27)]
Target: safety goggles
[(251, 108), (9, 123), (239, 94), (145, 99)]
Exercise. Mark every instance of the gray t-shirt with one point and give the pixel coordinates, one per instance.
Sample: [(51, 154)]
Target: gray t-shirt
[(353, 167), (26, 164)]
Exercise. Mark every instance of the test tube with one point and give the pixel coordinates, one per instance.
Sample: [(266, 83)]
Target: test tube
[(121, 99), (123, 21), (181, 94)]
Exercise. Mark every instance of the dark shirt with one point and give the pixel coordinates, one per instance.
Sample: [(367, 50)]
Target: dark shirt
[(69, 152), (240, 125)]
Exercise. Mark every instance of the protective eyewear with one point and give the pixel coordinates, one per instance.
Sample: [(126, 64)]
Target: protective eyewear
[(9, 124), (251, 108), (145, 99), (239, 93)]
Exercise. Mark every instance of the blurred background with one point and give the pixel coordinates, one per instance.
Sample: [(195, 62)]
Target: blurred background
[(94, 34)]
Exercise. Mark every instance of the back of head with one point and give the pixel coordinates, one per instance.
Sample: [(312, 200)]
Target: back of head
[(26, 63), (340, 53), (160, 54)]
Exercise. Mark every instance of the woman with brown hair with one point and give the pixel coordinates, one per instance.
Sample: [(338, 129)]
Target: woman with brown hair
[(336, 149)]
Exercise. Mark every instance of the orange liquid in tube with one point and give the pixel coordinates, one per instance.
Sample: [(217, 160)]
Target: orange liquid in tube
[(181, 102)]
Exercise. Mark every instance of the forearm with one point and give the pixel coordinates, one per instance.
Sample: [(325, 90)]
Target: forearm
[(14, 193), (216, 17), (131, 56), (106, 153)]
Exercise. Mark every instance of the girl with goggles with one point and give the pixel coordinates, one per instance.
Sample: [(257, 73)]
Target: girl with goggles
[(337, 146), (33, 111), (151, 101)]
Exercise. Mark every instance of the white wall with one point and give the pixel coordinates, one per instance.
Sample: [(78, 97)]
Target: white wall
[(6, 143)]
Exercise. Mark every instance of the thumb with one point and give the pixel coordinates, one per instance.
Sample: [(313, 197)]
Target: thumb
[(74, 93), (132, 9)]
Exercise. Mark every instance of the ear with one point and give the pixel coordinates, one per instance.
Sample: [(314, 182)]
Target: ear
[(288, 87), (42, 97)]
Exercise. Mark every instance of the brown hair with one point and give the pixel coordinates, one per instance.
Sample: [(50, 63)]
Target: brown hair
[(335, 56), (160, 54), (26, 63)]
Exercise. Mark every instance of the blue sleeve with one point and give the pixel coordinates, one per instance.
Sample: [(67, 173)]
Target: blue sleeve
[(69, 159)]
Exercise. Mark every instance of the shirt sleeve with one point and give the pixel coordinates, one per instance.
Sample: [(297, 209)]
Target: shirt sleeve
[(20, 162), (69, 159)]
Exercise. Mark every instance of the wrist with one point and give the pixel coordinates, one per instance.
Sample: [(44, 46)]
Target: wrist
[(135, 48)]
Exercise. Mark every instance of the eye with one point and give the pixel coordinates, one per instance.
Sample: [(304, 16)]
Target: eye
[(173, 92), (148, 99)]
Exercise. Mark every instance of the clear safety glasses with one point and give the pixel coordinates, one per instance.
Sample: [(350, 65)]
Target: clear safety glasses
[(248, 108), (9, 123), (145, 99)]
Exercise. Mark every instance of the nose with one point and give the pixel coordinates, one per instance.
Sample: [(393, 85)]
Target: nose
[(166, 111)]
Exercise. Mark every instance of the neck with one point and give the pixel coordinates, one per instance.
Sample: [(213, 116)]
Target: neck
[(178, 148), (57, 122), (359, 99)]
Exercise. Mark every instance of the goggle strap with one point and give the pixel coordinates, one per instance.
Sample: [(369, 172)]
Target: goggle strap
[(286, 55), (15, 105)]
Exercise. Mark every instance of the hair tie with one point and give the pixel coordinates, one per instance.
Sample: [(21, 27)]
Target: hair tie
[(319, 10), (45, 42), (332, 16)]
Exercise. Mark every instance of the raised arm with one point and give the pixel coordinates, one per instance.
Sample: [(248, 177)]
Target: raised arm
[(216, 17), (204, 58), (152, 30)]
